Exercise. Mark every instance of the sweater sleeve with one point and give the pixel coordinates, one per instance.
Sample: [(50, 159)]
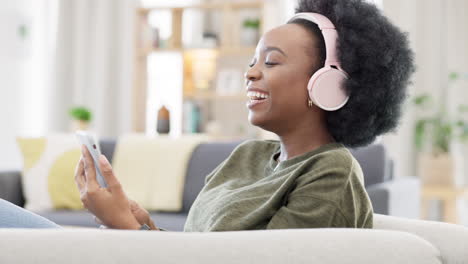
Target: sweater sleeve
[(329, 195), (314, 202), (307, 212)]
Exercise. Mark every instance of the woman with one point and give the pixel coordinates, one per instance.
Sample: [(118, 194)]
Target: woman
[(308, 178)]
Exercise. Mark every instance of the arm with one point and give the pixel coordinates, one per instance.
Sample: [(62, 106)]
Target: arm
[(307, 212), (329, 195)]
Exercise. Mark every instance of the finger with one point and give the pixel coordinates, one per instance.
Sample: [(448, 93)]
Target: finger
[(79, 174), (90, 170), (133, 205), (108, 174)]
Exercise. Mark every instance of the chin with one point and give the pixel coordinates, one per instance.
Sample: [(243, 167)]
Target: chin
[(260, 122), (254, 119)]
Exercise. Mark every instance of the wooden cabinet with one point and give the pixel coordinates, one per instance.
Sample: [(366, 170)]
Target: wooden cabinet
[(448, 195), (212, 73)]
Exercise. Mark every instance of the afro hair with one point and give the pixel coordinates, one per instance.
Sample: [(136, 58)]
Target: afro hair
[(377, 57)]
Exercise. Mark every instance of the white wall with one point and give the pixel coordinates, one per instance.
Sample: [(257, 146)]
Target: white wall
[(24, 73), (15, 58), (438, 35), (400, 144)]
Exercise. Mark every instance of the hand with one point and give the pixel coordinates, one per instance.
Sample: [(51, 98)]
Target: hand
[(142, 216), (110, 204)]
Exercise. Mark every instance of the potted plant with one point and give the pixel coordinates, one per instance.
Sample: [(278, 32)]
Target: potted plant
[(81, 117), (250, 31), (433, 137)]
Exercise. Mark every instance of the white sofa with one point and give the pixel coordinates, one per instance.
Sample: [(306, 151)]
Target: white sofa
[(393, 240)]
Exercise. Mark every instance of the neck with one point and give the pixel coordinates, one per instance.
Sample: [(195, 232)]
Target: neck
[(302, 140)]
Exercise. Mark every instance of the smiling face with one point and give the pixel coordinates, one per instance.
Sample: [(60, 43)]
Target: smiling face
[(284, 61)]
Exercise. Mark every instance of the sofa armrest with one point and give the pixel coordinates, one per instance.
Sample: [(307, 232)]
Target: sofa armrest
[(10, 187), (398, 197), (325, 246), (450, 239)]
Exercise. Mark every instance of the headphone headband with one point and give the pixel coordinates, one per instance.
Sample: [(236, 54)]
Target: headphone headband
[(329, 35)]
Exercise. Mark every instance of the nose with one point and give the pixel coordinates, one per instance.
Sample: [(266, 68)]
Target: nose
[(253, 74)]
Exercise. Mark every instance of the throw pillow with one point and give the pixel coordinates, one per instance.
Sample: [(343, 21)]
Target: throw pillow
[(48, 173)]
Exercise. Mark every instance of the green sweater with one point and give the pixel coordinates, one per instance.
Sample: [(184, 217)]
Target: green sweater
[(318, 189)]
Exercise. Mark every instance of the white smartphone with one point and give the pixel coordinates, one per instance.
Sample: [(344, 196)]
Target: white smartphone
[(84, 138)]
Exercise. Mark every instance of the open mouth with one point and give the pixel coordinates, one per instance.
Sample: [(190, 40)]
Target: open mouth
[(256, 96)]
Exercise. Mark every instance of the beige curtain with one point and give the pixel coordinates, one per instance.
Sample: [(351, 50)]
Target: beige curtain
[(93, 64)]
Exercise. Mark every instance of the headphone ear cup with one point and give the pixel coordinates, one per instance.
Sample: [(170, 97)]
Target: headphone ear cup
[(326, 89)]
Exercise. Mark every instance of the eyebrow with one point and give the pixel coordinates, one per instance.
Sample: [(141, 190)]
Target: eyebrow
[(274, 48)]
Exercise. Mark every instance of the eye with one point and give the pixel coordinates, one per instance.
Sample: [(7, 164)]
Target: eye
[(252, 63), (269, 63)]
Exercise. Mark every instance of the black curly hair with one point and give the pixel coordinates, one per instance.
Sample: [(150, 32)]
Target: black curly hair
[(377, 57)]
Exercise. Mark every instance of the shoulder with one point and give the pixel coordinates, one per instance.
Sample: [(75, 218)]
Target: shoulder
[(256, 146), (259, 143), (335, 166), (251, 151), (248, 153), (339, 157)]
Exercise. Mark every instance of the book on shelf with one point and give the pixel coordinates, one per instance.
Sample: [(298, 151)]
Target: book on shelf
[(191, 122)]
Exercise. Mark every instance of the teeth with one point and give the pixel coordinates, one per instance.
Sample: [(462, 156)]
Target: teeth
[(256, 94)]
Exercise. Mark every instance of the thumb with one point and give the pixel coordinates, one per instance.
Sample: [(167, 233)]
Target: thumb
[(108, 173)]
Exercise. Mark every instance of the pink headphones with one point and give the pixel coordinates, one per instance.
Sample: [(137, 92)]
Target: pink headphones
[(326, 85)]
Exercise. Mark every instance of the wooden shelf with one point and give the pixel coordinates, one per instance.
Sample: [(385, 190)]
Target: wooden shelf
[(200, 70), (240, 51), (235, 5), (444, 191), (215, 96), (248, 51)]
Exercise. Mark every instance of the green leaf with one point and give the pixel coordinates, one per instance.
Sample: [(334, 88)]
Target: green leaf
[(80, 113), (422, 99), (251, 23), (463, 108), (419, 133), (454, 76)]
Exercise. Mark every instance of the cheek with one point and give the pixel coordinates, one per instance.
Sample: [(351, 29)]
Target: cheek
[(288, 86)]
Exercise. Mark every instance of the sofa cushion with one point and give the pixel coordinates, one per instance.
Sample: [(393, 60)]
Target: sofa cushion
[(375, 163), (450, 239), (324, 246), (168, 221), (107, 147), (69, 217), (205, 158), (11, 188)]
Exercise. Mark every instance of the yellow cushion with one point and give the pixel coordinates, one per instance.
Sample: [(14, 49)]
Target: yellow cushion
[(32, 149), (48, 174), (63, 190), (152, 169)]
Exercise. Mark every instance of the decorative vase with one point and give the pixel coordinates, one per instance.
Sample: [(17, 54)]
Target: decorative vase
[(163, 123), (437, 169), (79, 125)]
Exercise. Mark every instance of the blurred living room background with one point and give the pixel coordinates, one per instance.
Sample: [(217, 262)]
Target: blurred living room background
[(174, 69)]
